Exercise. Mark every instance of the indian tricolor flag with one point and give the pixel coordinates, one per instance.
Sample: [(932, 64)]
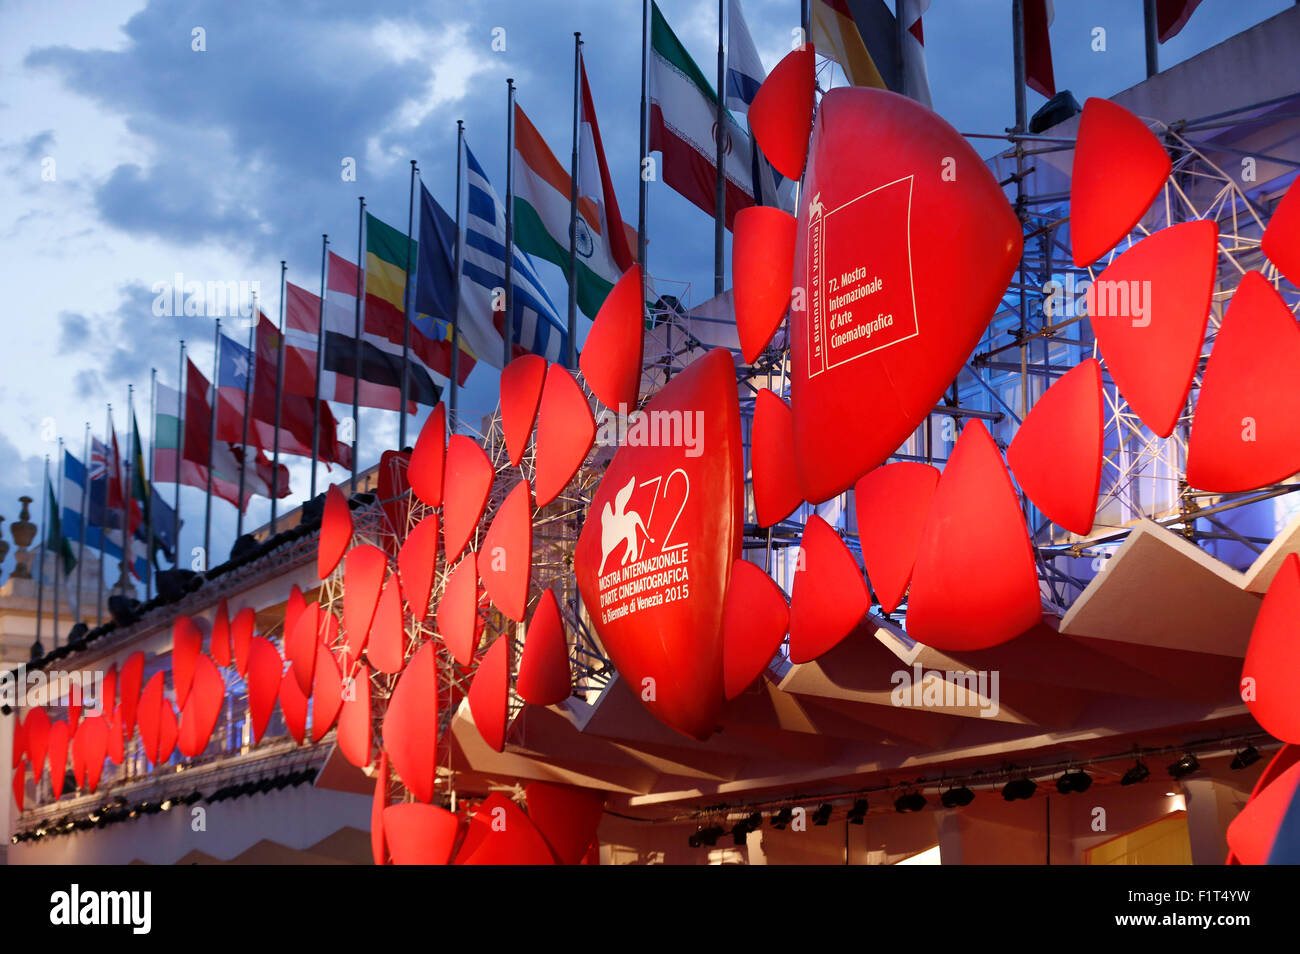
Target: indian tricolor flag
[(543, 196)]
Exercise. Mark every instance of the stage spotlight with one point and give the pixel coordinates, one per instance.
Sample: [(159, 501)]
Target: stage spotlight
[(1019, 788), (1184, 766), (1138, 773), (1076, 781), (694, 839), (823, 814), (957, 797), (166, 805), (782, 818), (1245, 758), (709, 836), (911, 802), (858, 813)]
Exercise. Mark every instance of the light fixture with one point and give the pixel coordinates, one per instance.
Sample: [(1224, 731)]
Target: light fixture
[(823, 814), (1019, 788), (1076, 781), (957, 797), (858, 813), (1245, 758), (1184, 766), (706, 836), (1138, 773), (782, 818), (910, 802)]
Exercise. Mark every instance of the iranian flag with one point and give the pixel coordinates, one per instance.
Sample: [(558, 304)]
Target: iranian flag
[(543, 195), (683, 126)]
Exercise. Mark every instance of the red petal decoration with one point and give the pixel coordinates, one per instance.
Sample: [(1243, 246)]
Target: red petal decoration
[(377, 806), (469, 480), (1274, 654), (293, 705), (108, 695), (829, 597), (300, 646), (1246, 431), (872, 351), (150, 717), (293, 608), (505, 559), (1119, 169), (363, 577), (354, 719), (975, 584), (58, 757), (1152, 351), (200, 713), (167, 732), (427, 458), (521, 391), (394, 491), (565, 431), (263, 677), (128, 688), (776, 481), (545, 678), (458, 620), (762, 263), (754, 622), (416, 562), (93, 736), (187, 644), (1056, 454), (115, 741), (1253, 836), (19, 741), (420, 834), (387, 648), (781, 114), (500, 833), (78, 749), (326, 694), (612, 355), (241, 635), (892, 503), (1281, 241), (410, 727), (567, 817), (220, 641), (335, 531), (19, 784), (37, 726), (488, 694)]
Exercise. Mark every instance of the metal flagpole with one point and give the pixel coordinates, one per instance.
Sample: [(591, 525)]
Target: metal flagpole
[(212, 446), (1152, 31), (720, 136), (279, 403), (180, 455), (508, 319), (643, 187), (571, 356), (407, 302), (243, 440), (57, 517), (149, 488), (99, 584), (85, 493), (45, 537), (1018, 63), (356, 367), (126, 487), (460, 262), (320, 359)]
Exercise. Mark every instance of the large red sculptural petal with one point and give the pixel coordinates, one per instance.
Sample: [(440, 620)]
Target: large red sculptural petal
[(753, 624), (93, 737), (410, 728), (1056, 454), (387, 647), (505, 560), (1267, 829), (326, 693), (975, 584), (354, 719), (300, 646), (419, 834), (458, 620), (1268, 675), (1148, 310), (782, 111), (393, 489), (241, 635), (116, 743), (416, 562), (202, 709), (219, 642), (776, 479), (168, 731), (521, 392), (654, 558), (829, 597), (545, 678), (1281, 240), (293, 705), (363, 576), (567, 817), (293, 608), (263, 676), (762, 274), (892, 503), (78, 749), (488, 694), (149, 717), (428, 457), (128, 688), (468, 481), (1119, 168), (37, 729), (19, 744), (377, 806), (883, 239), (612, 354), (187, 644), (335, 531), (500, 833), (1246, 431), (59, 738), (565, 430)]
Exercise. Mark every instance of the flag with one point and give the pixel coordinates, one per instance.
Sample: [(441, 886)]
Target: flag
[(429, 347), (1038, 47), (916, 78), (234, 374), (55, 541), (167, 457), (152, 507), (75, 477), (543, 202), (164, 525), (745, 74), (683, 127), (1172, 16), (835, 34), (537, 327)]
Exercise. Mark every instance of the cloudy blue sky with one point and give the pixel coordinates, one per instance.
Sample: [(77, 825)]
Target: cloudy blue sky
[(218, 164)]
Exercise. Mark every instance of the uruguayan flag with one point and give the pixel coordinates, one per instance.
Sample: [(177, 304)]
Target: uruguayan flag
[(536, 324)]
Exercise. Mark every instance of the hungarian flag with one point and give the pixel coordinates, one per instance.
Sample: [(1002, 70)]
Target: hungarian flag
[(543, 199), (683, 126)]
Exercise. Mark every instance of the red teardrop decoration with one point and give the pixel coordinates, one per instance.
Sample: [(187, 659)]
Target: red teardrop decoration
[(428, 456), (505, 559), (416, 562), (829, 596), (545, 678), (762, 274), (335, 531), (754, 622), (410, 727), (612, 354), (521, 391), (776, 481), (488, 693), (892, 503), (458, 619), (469, 480), (782, 111), (565, 431)]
